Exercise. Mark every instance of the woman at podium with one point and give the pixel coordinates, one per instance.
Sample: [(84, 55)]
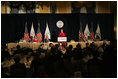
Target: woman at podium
[(62, 44), (62, 34)]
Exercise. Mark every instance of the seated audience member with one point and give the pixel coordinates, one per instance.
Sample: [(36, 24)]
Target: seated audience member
[(40, 49), (59, 67), (34, 64), (76, 53), (50, 46), (17, 70), (3, 74), (83, 65), (95, 66), (4, 54), (41, 46), (104, 45), (69, 49), (78, 46), (18, 50), (93, 46), (87, 45)]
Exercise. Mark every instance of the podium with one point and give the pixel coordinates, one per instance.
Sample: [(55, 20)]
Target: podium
[(62, 41)]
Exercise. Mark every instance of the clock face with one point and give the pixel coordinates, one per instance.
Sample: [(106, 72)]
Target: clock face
[(60, 24)]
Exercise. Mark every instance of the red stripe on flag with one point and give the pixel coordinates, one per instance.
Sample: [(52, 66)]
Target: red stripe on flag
[(39, 36), (26, 37)]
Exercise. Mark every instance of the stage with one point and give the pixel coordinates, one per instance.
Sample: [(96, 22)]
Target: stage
[(34, 46)]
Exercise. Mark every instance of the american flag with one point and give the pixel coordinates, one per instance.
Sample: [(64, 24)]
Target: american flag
[(98, 33), (47, 35), (26, 34), (39, 35), (32, 32), (86, 32), (83, 37), (81, 34)]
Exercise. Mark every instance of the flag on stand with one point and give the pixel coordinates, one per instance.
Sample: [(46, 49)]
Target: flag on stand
[(86, 31), (81, 34), (92, 32), (32, 32), (47, 35), (39, 35), (98, 33), (26, 34)]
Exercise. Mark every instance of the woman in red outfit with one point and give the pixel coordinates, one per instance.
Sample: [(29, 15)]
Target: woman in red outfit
[(62, 34), (35, 39)]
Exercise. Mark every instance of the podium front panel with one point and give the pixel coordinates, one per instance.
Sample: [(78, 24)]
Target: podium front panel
[(62, 39)]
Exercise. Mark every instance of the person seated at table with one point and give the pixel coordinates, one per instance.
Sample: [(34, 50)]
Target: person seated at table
[(41, 48), (30, 39), (46, 38), (97, 38), (22, 40), (17, 70), (89, 39), (35, 39), (50, 46), (62, 34)]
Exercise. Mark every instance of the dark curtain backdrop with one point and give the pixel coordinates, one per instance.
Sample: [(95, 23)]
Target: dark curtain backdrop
[(13, 25)]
